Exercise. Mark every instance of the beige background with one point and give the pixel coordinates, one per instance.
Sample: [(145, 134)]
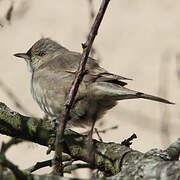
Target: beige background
[(139, 39)]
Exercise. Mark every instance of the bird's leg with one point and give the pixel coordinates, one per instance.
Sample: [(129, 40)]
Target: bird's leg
[(90, 145), (91, 154), (54, 123), (51, 142)]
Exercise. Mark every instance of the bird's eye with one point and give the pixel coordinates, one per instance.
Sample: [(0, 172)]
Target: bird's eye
[(41, 54)]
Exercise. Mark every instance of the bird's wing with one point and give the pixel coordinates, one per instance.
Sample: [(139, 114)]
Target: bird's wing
[(101, 75), (69, 62)]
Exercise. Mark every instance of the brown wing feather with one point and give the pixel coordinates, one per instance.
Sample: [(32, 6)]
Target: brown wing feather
[(99, 74), (69, 62)]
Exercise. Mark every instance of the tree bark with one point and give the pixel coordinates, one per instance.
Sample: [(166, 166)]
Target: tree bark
[(114, 160)]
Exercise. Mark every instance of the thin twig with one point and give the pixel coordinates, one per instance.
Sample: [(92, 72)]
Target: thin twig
[(74, 87), (97, 132), (17, 173), (103, 130), (127, 142), (12, 141), (46, 163), (9, 12), (40, 165), (73, 167), (6, 163), (108, 129), (92, 15), (178, 65), (92, 12)]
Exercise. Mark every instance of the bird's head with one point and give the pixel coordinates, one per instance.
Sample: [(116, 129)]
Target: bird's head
[(41, 52)]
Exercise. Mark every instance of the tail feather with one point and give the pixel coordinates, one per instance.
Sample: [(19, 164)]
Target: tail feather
[(117, 92), (154, 98)]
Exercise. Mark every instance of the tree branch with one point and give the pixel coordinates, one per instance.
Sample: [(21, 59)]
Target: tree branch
[(4, 162), (111, 158)]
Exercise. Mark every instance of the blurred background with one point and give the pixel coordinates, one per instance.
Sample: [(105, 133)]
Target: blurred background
[(138, 39)]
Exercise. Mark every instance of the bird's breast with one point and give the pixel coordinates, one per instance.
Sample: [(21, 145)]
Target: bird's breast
[(40, 96)]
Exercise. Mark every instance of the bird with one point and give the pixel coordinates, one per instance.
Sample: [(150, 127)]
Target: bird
[(53, 68)]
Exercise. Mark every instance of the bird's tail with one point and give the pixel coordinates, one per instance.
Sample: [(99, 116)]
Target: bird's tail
[(125, 93), (116, 92)]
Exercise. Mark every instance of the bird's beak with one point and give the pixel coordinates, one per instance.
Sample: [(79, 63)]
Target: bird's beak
[(22, 55)]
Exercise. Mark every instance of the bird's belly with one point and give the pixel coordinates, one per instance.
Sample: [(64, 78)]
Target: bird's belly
[(84, 110), (41, 99)]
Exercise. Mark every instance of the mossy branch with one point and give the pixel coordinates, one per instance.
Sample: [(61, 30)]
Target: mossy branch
[(111, 158)]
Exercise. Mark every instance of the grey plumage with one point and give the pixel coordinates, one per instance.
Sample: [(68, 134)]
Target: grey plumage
[(53, 69)]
